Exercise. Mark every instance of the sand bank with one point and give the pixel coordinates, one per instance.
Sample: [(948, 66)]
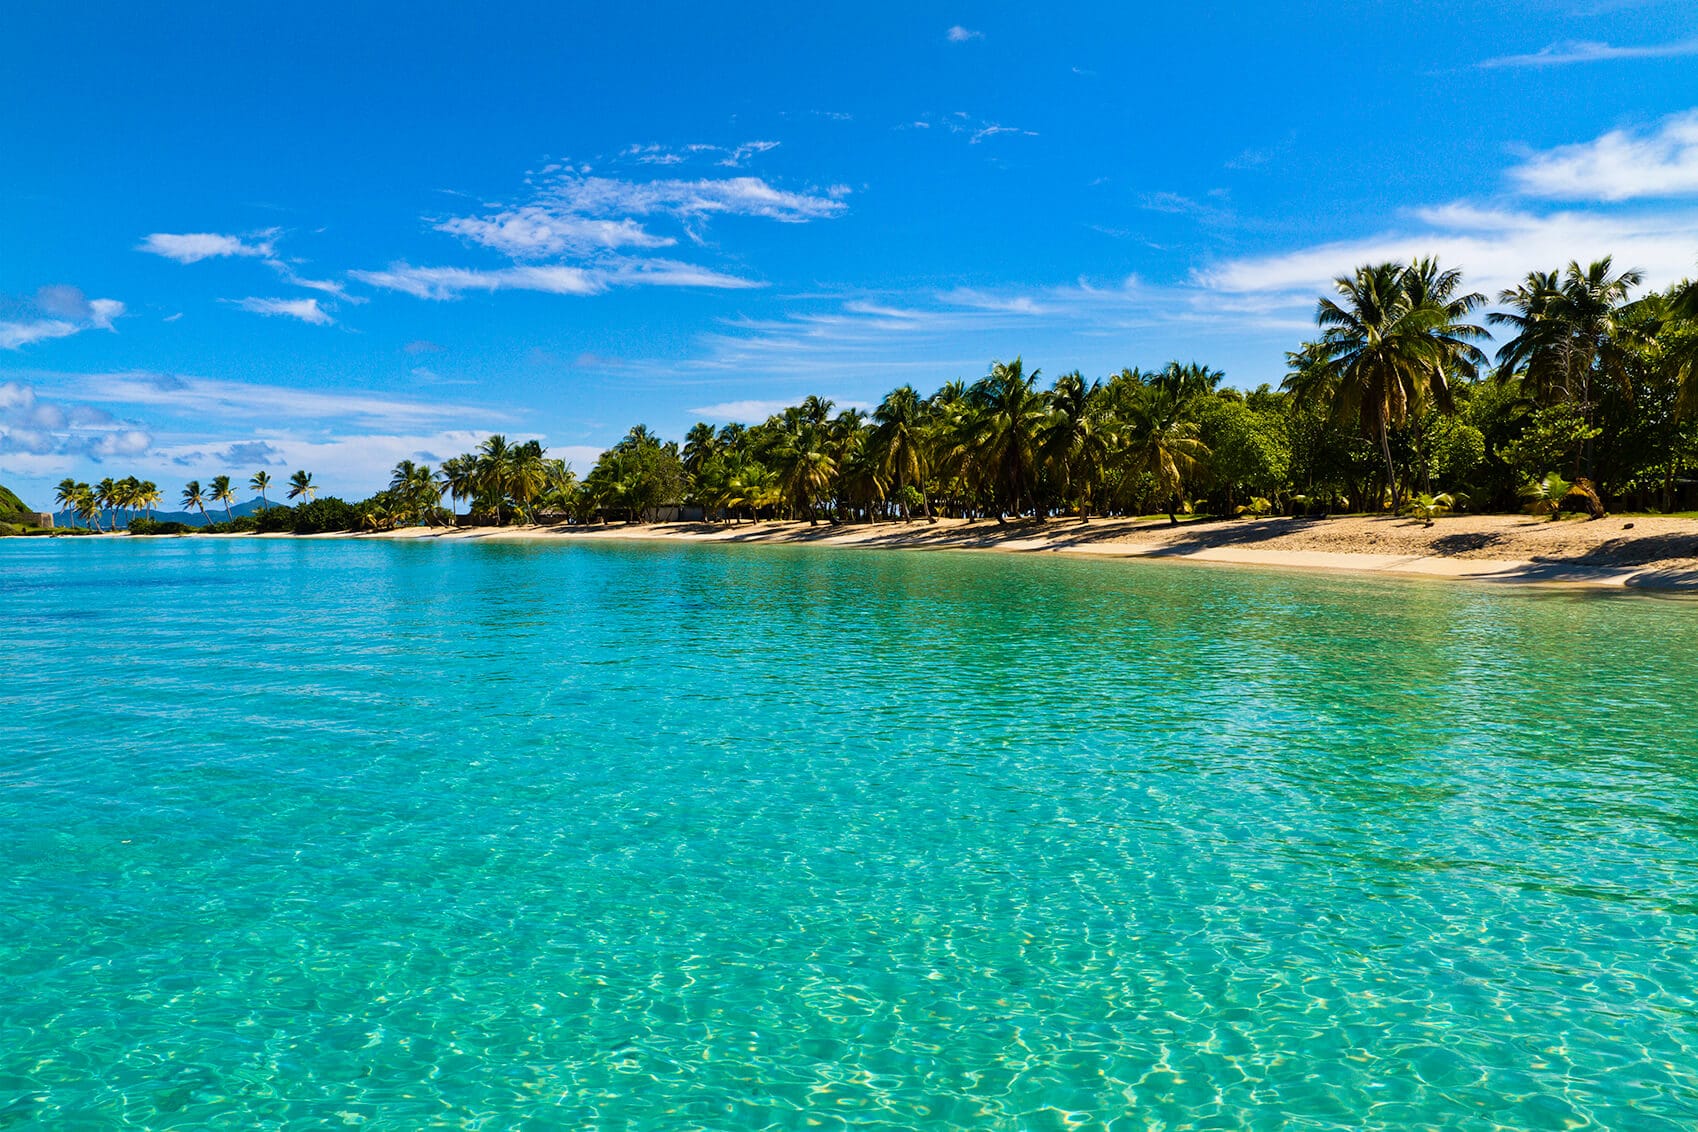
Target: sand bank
[(1641, 552)]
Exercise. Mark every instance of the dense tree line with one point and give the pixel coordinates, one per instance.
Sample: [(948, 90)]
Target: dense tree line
[(1393, 407)]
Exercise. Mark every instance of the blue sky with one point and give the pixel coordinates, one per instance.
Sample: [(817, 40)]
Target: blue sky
[(290, 236)]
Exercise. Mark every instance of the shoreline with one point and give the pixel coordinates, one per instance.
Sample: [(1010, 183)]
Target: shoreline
[(1646, 553)]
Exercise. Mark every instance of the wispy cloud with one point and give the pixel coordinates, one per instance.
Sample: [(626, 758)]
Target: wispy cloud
[(202, 398), (975, 130), (307, 310), (58, 311), (1591, 51), (192, 247), (1620, 165), (959, 34), (534, 232), (555, 279)]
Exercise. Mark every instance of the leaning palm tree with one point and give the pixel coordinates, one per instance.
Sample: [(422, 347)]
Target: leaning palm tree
[(220, 491), (195, 497), (87, 506), (260, 482), (301, 484), (1393, 341)]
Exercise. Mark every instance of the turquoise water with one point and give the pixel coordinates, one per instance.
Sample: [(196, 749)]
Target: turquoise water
[(326, 834)]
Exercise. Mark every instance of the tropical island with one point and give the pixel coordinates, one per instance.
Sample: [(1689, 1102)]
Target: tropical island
[(1392, 412)]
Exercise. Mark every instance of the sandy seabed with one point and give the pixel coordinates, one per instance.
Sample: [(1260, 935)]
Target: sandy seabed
[(1644, 552)]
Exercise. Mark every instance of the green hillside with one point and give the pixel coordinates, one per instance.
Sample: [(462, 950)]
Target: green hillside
[(11, 504), (14, 516)]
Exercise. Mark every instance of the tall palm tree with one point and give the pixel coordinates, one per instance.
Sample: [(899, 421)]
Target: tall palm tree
[(260, 482), (301, 484), (529, 477), (220, 491), (495, 472), (1005, 431), (1162, 445), (458, 476), (1570, 333), (195, 497), (106, 494), (900, 447), (805, 464), (151, 497), (65, 496), (1076, 438), (1393, 341)]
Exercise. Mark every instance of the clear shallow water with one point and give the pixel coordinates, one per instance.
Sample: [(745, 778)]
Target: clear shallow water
[(296, 835)]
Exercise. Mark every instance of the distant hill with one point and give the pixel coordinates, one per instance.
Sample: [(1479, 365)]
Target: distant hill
[(214, 514)]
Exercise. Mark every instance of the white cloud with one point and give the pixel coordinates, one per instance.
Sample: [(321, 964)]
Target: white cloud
[(959, 34), (533, 232), (558, 279), (1496, 248), (1620, 165), (1591, 51), (66, 312), (307, 310), (57, 433), (15, 334), (191, 247)]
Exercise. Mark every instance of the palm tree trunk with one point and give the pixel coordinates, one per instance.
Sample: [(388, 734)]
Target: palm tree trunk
[(1391, 472)]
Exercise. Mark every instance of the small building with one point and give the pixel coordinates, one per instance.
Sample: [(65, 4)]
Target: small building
[(44, 519)]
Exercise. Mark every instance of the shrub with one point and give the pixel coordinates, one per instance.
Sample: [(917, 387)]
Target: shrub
[(327, 514), (273, 520), (155, 527)]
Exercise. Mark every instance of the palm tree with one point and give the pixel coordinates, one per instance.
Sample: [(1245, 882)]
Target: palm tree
[(529, 477), (260, 482), (65, 496), (106, 495), (1076, 438), (87, 506), (899, 445), (701, 444), (1004, 433), (301, 484), (458, 476), (495, 472), (193, 496), (1571, 334), (151, 497), (1161, 445), (805, 465), (222, 492), (1396, 339)]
